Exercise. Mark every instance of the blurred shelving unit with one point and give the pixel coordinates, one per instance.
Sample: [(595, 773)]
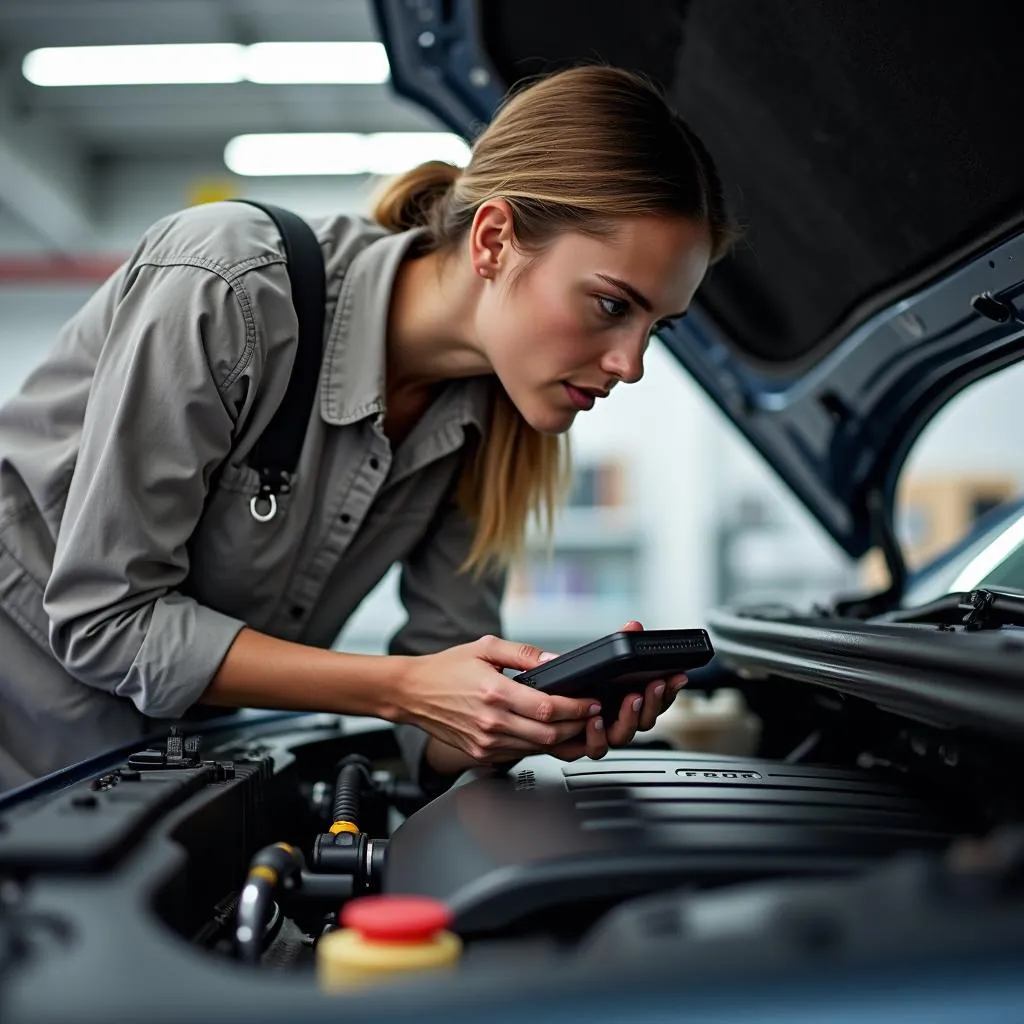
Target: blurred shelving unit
[(584, 581), (766, 554)]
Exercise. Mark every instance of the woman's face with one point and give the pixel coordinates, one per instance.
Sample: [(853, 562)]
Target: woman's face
[(562, 328)]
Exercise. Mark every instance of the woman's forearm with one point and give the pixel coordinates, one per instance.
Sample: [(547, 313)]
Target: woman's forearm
[(260, 671)]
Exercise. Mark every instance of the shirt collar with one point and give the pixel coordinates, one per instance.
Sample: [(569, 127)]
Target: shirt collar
[(353, 382)]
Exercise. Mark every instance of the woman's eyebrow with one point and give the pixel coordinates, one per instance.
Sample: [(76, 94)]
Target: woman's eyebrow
[(641, 300)]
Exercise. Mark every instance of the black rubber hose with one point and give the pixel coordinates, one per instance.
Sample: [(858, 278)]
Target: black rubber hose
[(353, 775), (270, 868)]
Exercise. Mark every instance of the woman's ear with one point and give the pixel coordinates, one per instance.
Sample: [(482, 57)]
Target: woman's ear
[(490, 238)]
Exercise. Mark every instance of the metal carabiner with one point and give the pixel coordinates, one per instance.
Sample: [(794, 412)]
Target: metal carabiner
[(263, 517), (272, 482)]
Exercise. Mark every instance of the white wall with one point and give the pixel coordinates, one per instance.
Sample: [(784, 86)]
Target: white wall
[(664, 430), (29, 319), (980, 431), (15, 238)]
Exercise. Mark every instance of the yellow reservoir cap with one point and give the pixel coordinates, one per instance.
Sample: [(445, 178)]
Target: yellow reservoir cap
[(383, 936), (345, 960)]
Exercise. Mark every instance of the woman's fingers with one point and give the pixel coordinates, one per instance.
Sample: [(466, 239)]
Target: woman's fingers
[(492, 743), (652, 706), (673, 685), (593, 743), (539, 707), (597, 739), (518, 719), (623, 729), (658, 698), (538, 735)]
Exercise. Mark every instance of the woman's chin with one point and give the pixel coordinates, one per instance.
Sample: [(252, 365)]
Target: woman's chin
[(545, 416), (552, 421)]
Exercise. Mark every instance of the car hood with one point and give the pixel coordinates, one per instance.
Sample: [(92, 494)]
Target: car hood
[(872, 159)]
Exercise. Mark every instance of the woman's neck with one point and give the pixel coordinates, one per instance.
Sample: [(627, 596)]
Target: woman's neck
[(430, 325)]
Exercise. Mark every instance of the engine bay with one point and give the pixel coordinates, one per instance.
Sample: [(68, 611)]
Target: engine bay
[(210, 870)]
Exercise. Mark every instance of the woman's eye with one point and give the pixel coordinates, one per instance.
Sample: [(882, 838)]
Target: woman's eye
[(615, 308), (664, 325)]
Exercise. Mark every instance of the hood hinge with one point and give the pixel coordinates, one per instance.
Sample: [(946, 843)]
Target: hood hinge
[(884, 534)]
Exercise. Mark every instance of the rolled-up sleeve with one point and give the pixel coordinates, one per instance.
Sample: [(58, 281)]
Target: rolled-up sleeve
[(160, 418), (444, 606)]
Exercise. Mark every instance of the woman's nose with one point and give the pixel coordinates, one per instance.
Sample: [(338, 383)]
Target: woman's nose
[(625, 361)]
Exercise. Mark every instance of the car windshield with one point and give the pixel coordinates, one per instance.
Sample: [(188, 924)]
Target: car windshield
[(960, 513)]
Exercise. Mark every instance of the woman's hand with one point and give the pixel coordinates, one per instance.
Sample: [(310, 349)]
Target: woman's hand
[(461, 697), (638, 713)]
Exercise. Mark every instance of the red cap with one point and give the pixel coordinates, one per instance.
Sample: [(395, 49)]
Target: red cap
[(396, 918)]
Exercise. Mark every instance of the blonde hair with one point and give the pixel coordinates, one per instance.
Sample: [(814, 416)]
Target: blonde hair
[(575, 151)]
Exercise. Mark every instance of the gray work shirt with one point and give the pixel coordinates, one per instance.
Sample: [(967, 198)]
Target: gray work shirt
[(129, 558)]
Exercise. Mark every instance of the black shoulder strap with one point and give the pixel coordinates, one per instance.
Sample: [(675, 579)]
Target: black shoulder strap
[(276, 454)]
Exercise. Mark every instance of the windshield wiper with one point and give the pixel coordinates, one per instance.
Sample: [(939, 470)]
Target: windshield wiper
[(976, 609), (989, 609)]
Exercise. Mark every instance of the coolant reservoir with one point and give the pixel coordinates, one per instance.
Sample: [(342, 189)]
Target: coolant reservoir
[(716, 723), (383, 936)]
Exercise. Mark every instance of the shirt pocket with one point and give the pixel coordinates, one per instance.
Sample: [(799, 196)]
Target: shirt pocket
[(21, 596), (239, 564)]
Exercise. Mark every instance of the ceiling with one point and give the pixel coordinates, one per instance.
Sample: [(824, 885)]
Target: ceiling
[(55, 141)]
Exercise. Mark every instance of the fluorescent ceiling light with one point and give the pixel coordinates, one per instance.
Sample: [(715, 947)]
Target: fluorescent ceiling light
[(208, 63), (341, 153), (134, 65), (343, 63)]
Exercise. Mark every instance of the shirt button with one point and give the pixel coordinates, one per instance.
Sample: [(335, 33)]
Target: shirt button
[(296, 611), (374, 464), (345, 517)]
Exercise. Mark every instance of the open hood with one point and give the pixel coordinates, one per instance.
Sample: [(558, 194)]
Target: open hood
[(873, 155)]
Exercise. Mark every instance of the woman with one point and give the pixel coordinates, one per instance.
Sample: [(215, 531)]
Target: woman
[(466, 329)]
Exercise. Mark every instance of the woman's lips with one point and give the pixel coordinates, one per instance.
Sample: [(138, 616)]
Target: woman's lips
[(580, 399)]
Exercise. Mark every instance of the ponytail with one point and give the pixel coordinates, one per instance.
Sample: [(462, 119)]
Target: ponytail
[(412, 199)]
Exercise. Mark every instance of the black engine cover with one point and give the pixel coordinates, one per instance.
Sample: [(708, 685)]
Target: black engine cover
[(500, 848)]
